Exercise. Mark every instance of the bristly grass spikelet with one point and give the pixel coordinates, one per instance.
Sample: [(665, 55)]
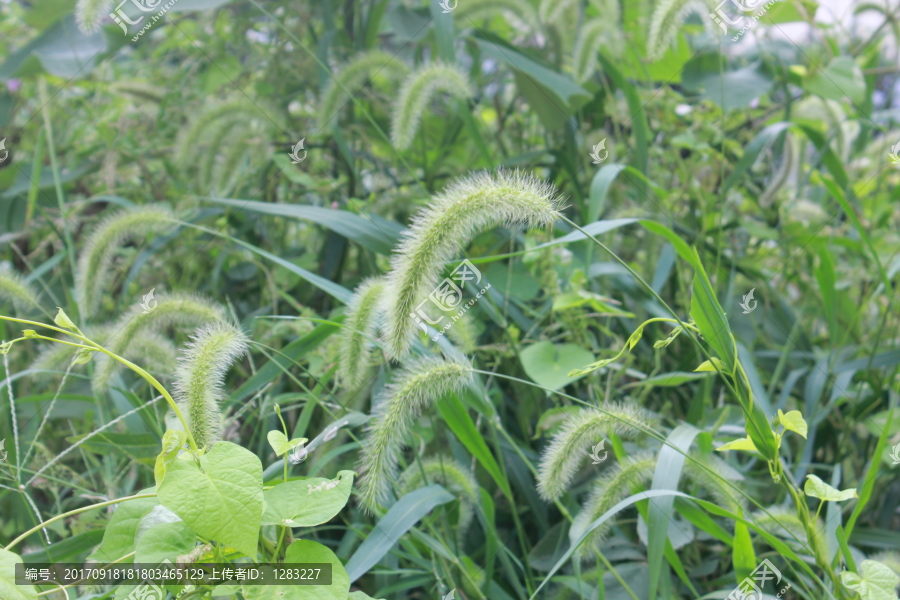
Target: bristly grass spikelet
[(449, 473), (181, 310), (355, 74), (419, 385), (570, 446), (14, 289), (609, 489), (668, 16), (440, 230), (360, 324), (518, 11), (89, 14), (595, 34), (417, 91), (198, 380), (551, 10), (95, 265)]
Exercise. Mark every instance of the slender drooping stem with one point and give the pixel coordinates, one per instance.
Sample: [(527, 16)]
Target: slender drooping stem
[(94, 346)]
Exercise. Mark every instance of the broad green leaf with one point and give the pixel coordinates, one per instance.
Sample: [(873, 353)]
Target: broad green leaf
[(841, 78), (600, 185), (817, 488), (391, 527), (550, 365), (305, 551), (164, 541), (794, 421), (714, 365), (741, 444), (8, 588), (71, 547), (280, 443), (172, 443), (876, 583), (307, 502), (118, 539), (224, 501)]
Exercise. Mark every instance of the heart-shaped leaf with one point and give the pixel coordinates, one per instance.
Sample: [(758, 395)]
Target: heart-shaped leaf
[(307, 502), (305, 551), (877, 582), (794, 421), (280, 444), (549, 364), (817, 488), (224, 501), (8, 588)]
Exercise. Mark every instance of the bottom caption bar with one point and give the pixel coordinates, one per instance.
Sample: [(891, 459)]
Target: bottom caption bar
[(169, 574)]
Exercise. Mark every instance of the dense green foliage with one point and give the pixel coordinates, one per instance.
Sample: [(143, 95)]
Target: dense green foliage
[(512, 300)]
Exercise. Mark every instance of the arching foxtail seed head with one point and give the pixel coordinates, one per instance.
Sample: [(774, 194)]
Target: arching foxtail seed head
[(199, 378), (440, 230), (417, 92), (359, 327), (416, 387)]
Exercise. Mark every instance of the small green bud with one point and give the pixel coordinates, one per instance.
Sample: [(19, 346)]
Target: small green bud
[(30, 333), (63, 320), (82, 356), (4, 347)]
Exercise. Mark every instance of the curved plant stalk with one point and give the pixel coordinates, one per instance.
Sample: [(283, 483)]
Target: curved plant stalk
[(71, 513), (89, 346)]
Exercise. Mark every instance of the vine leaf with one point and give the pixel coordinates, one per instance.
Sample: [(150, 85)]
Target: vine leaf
[(280, 443), (794, 421), (307, 502), (308, 552), (877, 581), (224, 501), (8, 587), (817, 488)]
